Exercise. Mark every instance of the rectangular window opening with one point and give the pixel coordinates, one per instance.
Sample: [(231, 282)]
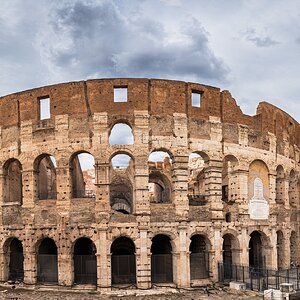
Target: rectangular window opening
[(196, 98), (44, 108), (120, 94)]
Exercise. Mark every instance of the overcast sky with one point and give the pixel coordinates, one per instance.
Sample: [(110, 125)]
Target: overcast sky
[(251, 48)]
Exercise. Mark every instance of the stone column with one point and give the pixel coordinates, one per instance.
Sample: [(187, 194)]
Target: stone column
[(286, 250), (29, 188), (213, 178), (242, 192), (3, 267), (65, 269), (183, 269), (63, 202), (244, 245), (272, 189), (30, 262), (180, 184), (1, 195), (143, 259), (102, 205), (217, 244), (103, 262), (141, 190)]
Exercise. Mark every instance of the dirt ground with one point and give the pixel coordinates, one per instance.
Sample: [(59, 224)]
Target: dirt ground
[(17, 293)]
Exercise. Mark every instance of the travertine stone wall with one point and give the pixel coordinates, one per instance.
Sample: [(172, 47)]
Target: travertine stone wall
[(162, 118)]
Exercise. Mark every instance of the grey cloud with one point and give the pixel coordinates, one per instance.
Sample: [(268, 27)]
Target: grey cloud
[(260, 41), (97, 40), (297, 40)]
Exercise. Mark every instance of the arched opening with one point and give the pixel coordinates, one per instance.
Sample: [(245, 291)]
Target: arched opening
[(258, 190), (255, 251), (199, 257), (159, 188), (45, 166), (198, 163), (85, 262), (12, 181), (160, 172), (280, 178), (227, 255), (83, 175), (15, 260), (293, 189), (121, 183), (47, 262), (161, 259), (294, 261), (280, 250), (121, 134), (123, 265), (229, 192)]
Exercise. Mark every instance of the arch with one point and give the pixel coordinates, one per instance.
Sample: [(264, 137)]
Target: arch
[(47, 270), (161, 259), (121, 134), (280, 185), (256, 259), (14, 259), (12, 186), (85, 262), (199, 257), (123, 261), (198, 163), (160, 188), (280, 250), (159, 151), (45, 169), (82, 173), (293, 189)]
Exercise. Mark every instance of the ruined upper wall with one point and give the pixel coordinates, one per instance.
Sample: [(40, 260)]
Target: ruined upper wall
[(161, 98)]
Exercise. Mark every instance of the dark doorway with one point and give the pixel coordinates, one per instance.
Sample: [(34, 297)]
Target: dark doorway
[(161, 259), (47, 262), (255, 251), (16, 259), (227, 256), (123, 266), (85, 262), (199, 258)]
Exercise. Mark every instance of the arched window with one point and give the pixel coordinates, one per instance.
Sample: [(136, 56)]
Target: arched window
[(123, 265), (13, 251), (121, 134), (45, 166), (47, 271), (12, 181), (85, 262), (83, 175), (161, 259), (280, 250), (160, 172), (197, 179), (121, 183), (199, 257)]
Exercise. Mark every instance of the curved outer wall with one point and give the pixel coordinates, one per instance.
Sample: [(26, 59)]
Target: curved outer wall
[(162, 117)]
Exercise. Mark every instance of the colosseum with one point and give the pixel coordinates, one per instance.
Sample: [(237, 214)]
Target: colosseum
[(109, 183)]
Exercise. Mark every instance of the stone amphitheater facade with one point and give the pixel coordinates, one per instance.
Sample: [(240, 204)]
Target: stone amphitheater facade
[(238, 204)]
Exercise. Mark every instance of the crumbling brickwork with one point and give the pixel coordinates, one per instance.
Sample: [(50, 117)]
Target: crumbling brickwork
[(237, 200)]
